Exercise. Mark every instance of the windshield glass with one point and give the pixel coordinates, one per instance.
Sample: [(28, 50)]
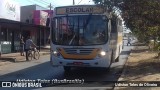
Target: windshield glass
[(80, 30)]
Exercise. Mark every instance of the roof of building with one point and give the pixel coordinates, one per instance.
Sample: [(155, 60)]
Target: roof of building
[(17, 22)]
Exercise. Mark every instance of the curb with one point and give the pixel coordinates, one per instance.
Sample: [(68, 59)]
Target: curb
[(125, 65), (44, 53), (15, 59), (9, 59), (123, 70)]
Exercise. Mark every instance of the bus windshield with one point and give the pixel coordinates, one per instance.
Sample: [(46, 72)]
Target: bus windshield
[(80, 30)]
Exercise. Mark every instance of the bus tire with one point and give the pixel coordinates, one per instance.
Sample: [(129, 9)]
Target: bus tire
[(112, 60), (117, 59), (107, 69), (67, 68)]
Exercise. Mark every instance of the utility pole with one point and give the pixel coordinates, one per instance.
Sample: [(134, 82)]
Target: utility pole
[(50, 13), (50, 18), (73, 2)]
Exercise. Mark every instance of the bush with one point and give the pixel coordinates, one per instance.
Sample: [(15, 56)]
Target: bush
[(155, 46)]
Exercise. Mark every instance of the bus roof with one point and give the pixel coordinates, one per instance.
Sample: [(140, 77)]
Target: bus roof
[(79, 9)]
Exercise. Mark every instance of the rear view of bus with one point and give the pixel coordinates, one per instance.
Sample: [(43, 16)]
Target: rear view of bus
[(81, 37)]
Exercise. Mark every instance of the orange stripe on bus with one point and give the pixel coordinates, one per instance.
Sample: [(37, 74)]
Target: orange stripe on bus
[(92, 55)]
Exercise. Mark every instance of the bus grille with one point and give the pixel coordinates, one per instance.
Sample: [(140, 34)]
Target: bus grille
[(79, 51)]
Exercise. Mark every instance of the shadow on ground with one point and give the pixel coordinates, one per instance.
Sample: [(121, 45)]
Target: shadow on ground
[(93, 77), (138, 44), (125, 52)]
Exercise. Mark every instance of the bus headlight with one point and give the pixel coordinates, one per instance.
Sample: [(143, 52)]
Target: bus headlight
[(101, 54), (56, 53)]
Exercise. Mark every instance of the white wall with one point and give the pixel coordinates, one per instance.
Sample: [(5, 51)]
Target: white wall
[(9, 10)]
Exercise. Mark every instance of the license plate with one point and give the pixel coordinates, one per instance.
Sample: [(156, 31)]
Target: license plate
[(78, 63)]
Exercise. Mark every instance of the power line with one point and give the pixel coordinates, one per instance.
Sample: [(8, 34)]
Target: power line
[(79, 2), (44, 3), (41, 1), (37, 2), (32, 2)]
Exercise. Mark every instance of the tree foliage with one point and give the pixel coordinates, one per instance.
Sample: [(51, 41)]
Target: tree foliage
[(141, 16)]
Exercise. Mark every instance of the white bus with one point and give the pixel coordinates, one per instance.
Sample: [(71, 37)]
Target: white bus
[(85, 36)]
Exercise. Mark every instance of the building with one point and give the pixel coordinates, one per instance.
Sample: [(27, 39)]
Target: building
[(37, 15), (27, 13), (16, 21), (9, 25), (10, 32)]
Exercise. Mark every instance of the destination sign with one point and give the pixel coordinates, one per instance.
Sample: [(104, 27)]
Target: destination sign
[(79, 10)]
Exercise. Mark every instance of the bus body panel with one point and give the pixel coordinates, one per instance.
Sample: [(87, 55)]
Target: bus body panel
[(96, 62), (100, 62), (113, 47)]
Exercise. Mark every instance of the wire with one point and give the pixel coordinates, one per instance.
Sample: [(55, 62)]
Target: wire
[(38, 2), (41, 1), (79, 2), (32, 2), (45, 3)]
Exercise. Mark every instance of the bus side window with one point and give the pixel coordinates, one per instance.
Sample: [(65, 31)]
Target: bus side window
[(120, 25), (113, 26)]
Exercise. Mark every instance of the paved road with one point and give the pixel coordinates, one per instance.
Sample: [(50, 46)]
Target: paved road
[(41, 69)]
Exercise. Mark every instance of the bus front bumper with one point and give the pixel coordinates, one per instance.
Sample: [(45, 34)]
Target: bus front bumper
[(99, 62)]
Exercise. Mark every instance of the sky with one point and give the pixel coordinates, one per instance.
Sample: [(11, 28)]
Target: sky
[(55, 3)]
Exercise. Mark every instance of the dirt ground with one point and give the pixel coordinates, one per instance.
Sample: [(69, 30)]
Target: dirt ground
[(16, 58), (142, 65)]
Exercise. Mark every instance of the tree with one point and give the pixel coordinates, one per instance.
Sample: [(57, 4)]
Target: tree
[(141, 16)]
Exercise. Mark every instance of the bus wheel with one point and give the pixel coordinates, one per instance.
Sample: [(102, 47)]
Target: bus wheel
[(111, 58), (67, 68), (107, 69), (117, 59)]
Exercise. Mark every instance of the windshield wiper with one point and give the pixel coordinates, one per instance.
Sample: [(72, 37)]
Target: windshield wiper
[(88, 20), (72, 39)]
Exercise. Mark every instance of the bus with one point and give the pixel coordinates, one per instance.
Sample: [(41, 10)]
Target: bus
[(85, 36)]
